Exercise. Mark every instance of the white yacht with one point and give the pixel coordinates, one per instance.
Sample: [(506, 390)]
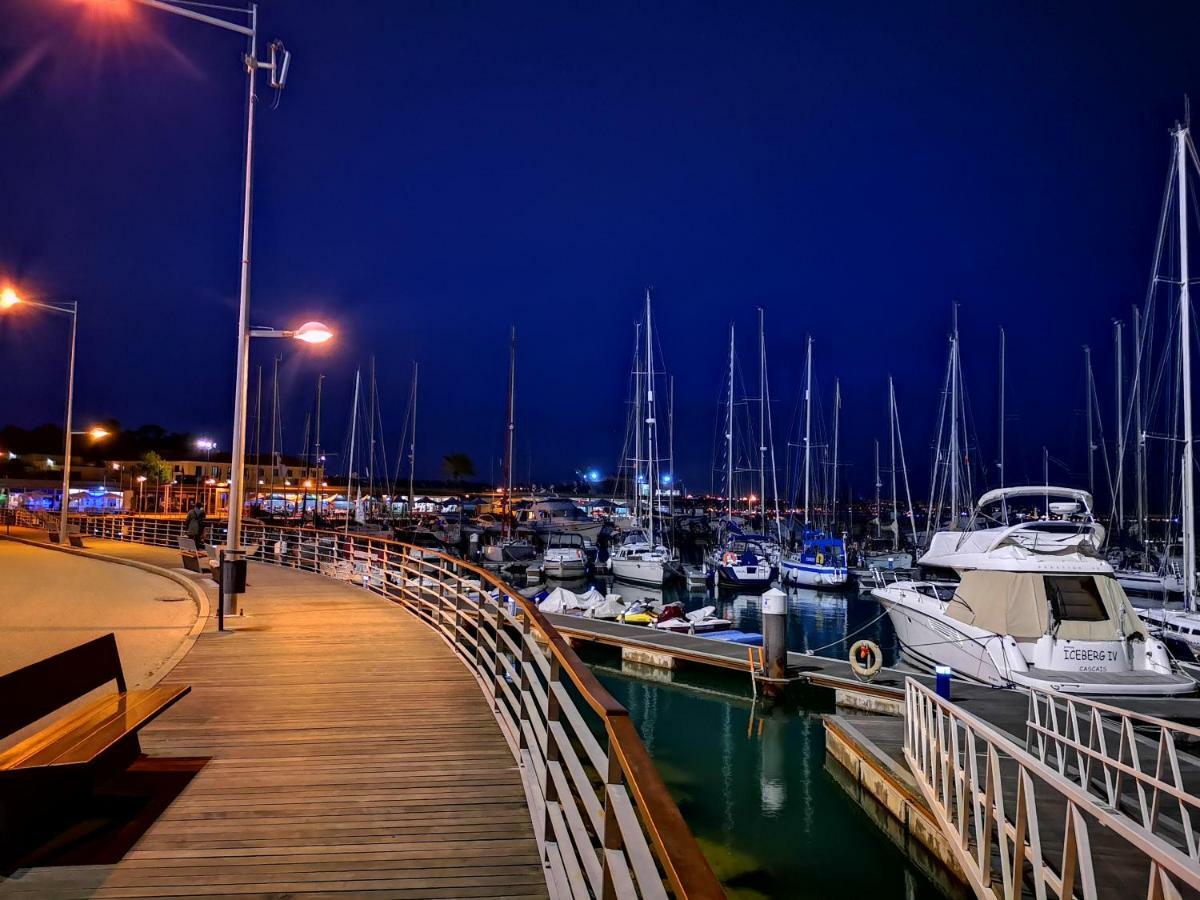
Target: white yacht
[(639, 560), (1036, 604), (558, 514), (565, 556)]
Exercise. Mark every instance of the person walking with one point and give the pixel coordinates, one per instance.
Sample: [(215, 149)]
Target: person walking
[(194, 524)]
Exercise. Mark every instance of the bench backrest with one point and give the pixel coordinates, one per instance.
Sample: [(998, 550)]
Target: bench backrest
[(37, 690)]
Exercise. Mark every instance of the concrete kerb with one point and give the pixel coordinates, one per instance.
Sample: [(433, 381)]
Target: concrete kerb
[(199, 598)]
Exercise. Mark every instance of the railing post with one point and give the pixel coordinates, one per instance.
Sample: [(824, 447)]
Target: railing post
[(553, 753), (611, 838)]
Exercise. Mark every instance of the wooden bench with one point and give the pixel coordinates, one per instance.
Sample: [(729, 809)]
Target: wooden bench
[(196, 560), (71, 753), (74, 537)]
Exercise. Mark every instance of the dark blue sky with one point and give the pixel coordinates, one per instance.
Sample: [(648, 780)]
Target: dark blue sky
[(437, 171)]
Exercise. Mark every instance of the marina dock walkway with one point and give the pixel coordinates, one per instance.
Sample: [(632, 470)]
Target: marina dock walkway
[(341, 748)]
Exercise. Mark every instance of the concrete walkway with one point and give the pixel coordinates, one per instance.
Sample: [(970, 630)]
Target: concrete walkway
[(51, 601), (344, 749)]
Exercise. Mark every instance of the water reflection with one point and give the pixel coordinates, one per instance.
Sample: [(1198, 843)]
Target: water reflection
[(755, 791)]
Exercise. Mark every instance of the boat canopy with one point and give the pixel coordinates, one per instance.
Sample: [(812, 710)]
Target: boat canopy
[(1035, 490), (1027, 605)]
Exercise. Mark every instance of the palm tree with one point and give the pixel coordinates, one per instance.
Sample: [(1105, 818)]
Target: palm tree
[(458, 466)]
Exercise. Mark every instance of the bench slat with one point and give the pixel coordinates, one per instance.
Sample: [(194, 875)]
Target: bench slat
[(85, 735)]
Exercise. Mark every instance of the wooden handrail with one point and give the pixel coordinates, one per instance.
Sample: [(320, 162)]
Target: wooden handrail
[(683, 865)]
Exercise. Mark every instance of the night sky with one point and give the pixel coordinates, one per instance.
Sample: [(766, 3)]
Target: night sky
[(438, 171)]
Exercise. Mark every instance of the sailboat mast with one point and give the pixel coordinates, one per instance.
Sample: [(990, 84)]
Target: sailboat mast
[(954, 456), (371, 433), (650, 429), (274, 421), (762, 421), (637, 424), (506, 506), (892, 434), (878, 485), (1185, 359), (671, 445), (412, 446), (1091, 442), (729, 429), (1139, 455), (1118, 328), (807, 424), (353, 432), (1003, 502), (837, 415)]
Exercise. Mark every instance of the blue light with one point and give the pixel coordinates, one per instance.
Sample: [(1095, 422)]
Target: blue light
[(593, 475), (666, 479)]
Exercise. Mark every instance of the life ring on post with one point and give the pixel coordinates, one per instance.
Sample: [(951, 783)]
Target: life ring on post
[(866, 659)]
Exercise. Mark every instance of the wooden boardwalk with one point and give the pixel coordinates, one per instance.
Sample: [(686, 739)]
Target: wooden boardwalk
[(348, 751)]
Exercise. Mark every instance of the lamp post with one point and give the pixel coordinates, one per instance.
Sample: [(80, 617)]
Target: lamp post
[(141, 480), (10, 298), (280, 60)]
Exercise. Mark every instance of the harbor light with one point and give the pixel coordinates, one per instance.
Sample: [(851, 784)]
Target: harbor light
[(97, 433), (666, 479), (593, 475), (9, 298)]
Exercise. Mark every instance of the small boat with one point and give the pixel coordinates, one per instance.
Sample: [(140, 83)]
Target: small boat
[(641, 612), (565, 556), (512, 550), (743, 563), (673, 618), (820, 562), (638, 560), (562, 601), (610, 608)]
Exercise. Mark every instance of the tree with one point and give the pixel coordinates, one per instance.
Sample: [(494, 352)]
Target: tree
[(155, 468), (458, 466)]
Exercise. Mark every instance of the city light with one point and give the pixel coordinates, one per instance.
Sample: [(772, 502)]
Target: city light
[(9, 298), (666, 479), (593, 475), (313, 333), (141, 479), (97, 433), (206, 444)]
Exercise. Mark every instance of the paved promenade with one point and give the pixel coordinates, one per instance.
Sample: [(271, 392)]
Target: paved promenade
[(50, 602), (344, 749)]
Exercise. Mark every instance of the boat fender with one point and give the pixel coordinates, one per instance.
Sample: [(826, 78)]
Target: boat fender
[(866, 659)]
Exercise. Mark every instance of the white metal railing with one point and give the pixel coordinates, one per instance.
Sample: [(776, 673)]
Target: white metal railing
[(1132, 762), (991, 799), (605, 823)]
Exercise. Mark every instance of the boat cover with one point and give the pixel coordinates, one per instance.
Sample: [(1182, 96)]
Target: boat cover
[(1016, 604)]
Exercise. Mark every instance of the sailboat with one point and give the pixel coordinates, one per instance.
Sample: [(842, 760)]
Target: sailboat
[(510, 548), (820, 559), (881, 555), (640, 556), (1182, 628), (748, 562)]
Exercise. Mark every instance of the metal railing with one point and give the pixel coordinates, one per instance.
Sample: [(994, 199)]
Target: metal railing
[(1132, 762), (1001, 809), (605, 823)]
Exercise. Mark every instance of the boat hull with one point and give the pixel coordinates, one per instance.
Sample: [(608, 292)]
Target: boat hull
[(643, 571), (808, 575)]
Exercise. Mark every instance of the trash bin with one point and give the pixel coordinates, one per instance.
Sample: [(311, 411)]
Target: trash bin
[(233, 574)]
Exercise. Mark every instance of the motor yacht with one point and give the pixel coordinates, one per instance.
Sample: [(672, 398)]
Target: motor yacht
[(639, 560), (1036, 604)]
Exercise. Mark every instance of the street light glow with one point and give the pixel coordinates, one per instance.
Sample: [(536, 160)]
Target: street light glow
[(313, 333), (9, 298), (97, 433)]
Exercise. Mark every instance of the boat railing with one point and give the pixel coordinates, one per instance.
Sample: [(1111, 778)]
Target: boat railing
[(1137, 764), (989, 796), (605, 822)]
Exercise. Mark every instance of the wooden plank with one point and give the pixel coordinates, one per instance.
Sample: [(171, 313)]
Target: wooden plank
[(351, 751)]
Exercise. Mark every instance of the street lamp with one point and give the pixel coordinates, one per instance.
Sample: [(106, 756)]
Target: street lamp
[(280, 60), (141, 480), (9, 298)]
